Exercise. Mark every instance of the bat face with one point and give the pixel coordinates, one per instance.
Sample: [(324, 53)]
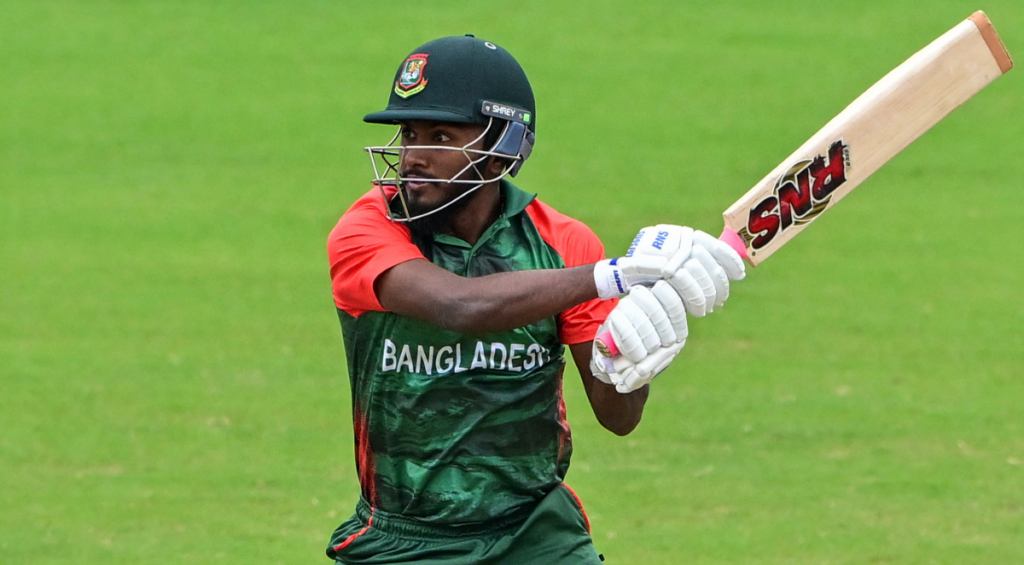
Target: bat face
[(875, 127)]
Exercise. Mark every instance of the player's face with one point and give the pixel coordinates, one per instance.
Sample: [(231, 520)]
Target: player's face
[(441, 164)]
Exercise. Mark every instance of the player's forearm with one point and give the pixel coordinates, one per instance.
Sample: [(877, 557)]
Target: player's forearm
[(498, 302), (505, 301), (618, 413)]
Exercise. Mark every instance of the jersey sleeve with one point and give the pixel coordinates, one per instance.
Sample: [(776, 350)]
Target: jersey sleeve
[(578, 245), (364, 244)]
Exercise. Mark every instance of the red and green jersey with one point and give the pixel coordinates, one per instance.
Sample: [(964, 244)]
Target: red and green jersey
[(454, 428)]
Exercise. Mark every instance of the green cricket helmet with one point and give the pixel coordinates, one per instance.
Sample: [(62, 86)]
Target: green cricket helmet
[(459, 79)]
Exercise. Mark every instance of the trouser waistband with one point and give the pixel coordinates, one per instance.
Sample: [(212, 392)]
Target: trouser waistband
[(399, 525)]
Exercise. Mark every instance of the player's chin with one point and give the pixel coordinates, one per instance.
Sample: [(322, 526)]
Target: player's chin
[(427, 199)]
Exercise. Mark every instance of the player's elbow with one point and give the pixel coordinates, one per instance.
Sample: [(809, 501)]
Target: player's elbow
[(619, 413), (620, 426)]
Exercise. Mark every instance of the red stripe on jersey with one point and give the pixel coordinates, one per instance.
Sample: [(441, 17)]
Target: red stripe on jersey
[(366, 464), (564, 434), (577, 245)]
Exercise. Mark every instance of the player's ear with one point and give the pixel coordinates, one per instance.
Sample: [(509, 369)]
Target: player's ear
[(495, 165)]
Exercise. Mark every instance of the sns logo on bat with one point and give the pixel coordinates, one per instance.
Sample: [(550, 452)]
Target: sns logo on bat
[(800, 195)]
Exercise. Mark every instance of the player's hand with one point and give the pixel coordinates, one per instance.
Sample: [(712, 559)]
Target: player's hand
[(649, 326), (697, 265), (627, 376), (645, 262)]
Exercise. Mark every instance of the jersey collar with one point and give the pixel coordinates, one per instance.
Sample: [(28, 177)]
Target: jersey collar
[(516, 200)]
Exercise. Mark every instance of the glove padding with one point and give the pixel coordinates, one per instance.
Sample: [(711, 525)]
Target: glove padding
[(649, 327), (697, 265), (644, 263)]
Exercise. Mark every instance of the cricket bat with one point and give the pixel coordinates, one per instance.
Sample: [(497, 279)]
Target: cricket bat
[(876, 126)]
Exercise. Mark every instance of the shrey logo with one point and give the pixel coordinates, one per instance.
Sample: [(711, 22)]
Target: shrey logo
[(803, 192), (411, 80)]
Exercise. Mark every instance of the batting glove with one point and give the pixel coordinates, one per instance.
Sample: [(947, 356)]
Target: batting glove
[(649, 326), (696, 264), (644, 263)]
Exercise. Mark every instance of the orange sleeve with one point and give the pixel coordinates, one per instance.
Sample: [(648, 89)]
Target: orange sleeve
[(578, 245), (364, 244)]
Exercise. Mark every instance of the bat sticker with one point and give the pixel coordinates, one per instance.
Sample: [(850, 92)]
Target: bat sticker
[(799, 196)]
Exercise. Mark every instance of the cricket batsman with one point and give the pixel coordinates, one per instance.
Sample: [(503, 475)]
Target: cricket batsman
[(459, 296)]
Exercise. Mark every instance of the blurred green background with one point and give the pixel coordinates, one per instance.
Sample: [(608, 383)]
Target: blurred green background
[(172, 383)]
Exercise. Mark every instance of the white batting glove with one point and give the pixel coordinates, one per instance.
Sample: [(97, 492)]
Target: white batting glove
[(698, 266), (650, 329), (644, 263)]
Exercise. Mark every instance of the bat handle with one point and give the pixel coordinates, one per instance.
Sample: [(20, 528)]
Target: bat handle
[(605, 343), (733, 239)]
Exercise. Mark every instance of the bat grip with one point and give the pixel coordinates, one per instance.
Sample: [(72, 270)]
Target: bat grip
[(605, 343), (733, 239)]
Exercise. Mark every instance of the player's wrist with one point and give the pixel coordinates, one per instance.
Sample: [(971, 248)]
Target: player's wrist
[(608, 279)]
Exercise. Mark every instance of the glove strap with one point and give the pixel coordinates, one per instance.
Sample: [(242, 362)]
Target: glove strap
[(609, 279)]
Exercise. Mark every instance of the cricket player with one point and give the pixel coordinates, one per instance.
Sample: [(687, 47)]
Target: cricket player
[(458, 293)]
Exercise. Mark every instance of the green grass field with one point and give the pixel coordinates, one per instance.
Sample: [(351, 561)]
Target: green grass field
[(172, 383)]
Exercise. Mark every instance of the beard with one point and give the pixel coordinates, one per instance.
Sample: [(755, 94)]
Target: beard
[(441, 216), (435, 222)]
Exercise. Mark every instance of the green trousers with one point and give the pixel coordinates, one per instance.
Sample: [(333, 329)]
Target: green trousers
[(555, 532)]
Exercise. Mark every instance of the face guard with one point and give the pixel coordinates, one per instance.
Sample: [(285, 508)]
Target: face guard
[(514, 145)]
